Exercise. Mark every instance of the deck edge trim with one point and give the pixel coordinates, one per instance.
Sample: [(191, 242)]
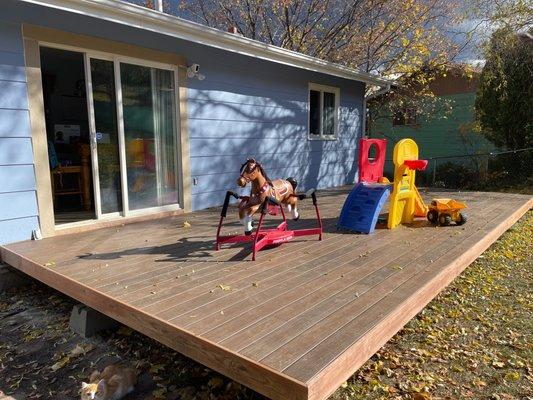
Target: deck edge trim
[(337, 372), (271, 383)]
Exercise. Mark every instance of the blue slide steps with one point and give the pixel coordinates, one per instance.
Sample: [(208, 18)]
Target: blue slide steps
[(362, 206)]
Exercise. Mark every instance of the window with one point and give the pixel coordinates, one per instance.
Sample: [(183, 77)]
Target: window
[(406, 116), (323, 111)]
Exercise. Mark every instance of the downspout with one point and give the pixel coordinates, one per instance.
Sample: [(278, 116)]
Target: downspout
[(383, 90)]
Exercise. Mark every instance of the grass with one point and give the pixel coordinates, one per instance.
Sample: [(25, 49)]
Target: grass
[(472, 341)]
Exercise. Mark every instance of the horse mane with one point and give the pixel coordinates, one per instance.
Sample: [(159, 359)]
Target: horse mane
[(264, 173)]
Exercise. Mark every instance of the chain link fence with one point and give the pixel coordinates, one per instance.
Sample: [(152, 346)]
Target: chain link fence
[(494, 170)]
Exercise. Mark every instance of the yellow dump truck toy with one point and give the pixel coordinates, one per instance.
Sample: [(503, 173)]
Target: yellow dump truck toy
[(444, 211)]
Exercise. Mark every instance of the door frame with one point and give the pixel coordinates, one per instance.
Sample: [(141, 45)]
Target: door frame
[(90, 47)]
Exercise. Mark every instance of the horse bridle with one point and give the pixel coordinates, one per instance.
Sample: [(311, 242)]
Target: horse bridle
[(243, 170), (257, 165)]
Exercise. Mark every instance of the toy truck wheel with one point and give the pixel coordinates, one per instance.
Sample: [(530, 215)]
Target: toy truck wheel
[(462, 219), (445, 219), (433, 217)]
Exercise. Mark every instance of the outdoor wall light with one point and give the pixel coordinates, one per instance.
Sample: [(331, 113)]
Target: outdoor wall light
[(194, 71)]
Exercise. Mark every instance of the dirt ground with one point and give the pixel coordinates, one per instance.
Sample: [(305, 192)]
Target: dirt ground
[(473, 341)]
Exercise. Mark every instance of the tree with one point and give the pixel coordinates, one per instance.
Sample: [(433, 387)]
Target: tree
[(512, 14), (504, 103), (409, 40), (385, 36)]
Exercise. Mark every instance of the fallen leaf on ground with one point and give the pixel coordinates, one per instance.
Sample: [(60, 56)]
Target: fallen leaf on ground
[(61, 363), (79, 350)]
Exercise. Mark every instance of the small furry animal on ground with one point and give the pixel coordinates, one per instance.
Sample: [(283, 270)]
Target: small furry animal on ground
[(113, 383)]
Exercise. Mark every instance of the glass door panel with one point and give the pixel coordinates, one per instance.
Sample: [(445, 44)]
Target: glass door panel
[(106, 135), (148, 103)]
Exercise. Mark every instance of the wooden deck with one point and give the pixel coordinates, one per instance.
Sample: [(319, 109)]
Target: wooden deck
[(296, 323)]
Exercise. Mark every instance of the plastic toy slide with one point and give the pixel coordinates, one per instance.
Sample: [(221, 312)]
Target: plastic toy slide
[(421, 208), (362, 206), (405, 201)]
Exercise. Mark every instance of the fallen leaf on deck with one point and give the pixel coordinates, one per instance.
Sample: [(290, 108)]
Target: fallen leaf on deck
[(186, 224)]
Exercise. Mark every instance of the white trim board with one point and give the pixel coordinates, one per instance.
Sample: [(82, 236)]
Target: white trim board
[(155, 21)]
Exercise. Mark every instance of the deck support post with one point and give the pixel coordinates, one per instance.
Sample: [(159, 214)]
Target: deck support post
[(87, 322)]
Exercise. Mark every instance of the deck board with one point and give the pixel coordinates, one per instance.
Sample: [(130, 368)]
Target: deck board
[(370, 306), (298, 321)]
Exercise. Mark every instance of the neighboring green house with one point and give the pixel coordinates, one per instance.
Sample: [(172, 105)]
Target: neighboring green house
[(446, 138)]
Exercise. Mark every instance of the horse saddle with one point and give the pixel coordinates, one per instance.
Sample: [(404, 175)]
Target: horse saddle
[(279, 188)]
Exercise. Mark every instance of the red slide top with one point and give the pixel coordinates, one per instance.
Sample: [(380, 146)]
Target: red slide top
[(370, 170), (419, 165)]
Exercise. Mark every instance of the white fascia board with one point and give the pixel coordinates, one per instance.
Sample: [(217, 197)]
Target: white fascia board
[(144, 18)]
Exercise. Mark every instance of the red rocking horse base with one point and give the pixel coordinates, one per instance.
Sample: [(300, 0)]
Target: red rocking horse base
[(262, 238)]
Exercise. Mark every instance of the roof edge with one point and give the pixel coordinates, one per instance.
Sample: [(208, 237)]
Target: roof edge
[(144, 18)]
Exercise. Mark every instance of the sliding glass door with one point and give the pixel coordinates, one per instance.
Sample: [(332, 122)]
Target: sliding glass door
[(133, 126), (149, 124), (106, 135)]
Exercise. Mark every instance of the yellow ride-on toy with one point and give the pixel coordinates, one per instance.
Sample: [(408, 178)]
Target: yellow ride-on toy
[(444, 211)]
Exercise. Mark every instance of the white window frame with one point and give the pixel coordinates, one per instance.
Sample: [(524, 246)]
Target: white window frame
[(323, 88)]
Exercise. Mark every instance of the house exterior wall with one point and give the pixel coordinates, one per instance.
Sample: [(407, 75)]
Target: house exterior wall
[(18, 202), (438, 137), (245, 107), (248, 108)]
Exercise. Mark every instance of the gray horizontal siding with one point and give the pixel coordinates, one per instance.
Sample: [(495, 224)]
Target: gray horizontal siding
[(17, 178), (18, 205), (13, 95), (14, 123), (10, 36), (15, 230), (18, 202), (15, 150), (244, 107), (248, 108), (273, 161), (251, 108), (12, 67)]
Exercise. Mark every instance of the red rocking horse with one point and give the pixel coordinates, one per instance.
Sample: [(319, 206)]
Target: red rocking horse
[(282, 190), (266, 196)]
